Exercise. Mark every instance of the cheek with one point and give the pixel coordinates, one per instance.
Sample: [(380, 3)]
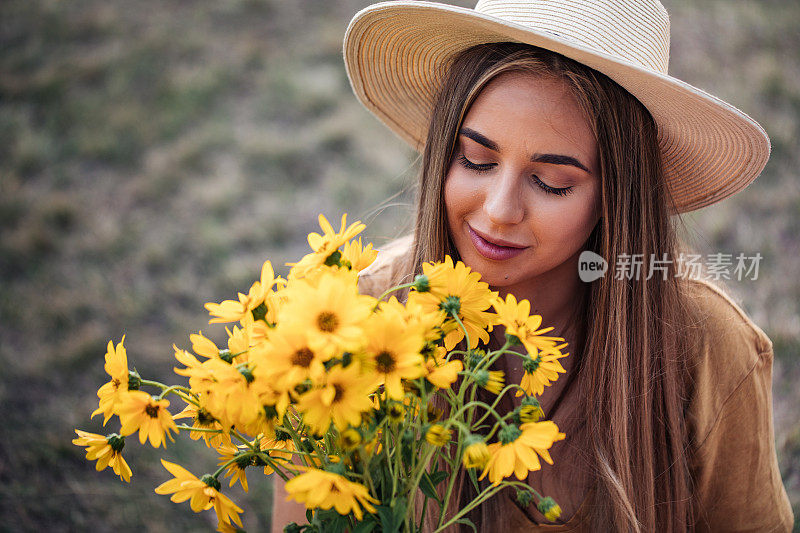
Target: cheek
[(567, 232), (460, 196)]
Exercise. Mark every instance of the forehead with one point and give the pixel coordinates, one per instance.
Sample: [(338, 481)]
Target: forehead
[(524, 111)]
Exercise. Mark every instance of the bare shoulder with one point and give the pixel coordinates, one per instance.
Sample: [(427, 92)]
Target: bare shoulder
[(393, 259)]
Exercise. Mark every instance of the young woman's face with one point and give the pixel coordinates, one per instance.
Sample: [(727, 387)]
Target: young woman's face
[(522, 191)]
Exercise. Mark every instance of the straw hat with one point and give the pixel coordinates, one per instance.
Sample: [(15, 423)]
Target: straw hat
[(396, 52)]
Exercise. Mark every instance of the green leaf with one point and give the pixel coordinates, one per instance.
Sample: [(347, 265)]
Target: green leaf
[(467, 522), (389, 522), (365, 526), (428, 488), (438, 477)]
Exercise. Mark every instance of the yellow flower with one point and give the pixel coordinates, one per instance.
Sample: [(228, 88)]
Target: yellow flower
[(440, 372), (530, 410), (235, 470), (289, 358), (519, 322), (331, 312), (395, 412), (356, 256), (202, 493), (457, 290), (203, 346), (549, 508), (110, 393), (107, 451), (140, 411), (325, 246), (341, 400), (350, 439), (395, 349), (516, 453), (279, 447), (437, 435), (233, 310), (203, 419), (318, 489), (541, 371), (429, 321), (476, 453), (491, 380)]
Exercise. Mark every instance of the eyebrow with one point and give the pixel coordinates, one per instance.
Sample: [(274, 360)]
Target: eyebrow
[(551, 159)]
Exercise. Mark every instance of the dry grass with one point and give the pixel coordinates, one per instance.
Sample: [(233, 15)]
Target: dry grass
[(152, 154)]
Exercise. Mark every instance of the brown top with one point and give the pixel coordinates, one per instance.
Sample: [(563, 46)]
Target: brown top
[(734, 465)]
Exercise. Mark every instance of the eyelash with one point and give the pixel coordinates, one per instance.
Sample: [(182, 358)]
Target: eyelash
[(466, 163)]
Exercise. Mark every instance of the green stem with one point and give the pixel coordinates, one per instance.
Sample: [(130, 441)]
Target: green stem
[(390, 291), (204, 430)]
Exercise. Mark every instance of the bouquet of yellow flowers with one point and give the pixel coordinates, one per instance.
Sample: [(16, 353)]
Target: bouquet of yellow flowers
[(366, 407)]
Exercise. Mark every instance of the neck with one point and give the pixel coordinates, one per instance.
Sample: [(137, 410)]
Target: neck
[(555, 295)]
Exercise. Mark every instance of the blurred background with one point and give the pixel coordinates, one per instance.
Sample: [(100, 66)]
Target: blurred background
[(154, 153)]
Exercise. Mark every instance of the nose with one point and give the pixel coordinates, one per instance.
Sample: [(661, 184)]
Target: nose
[(503, 203)]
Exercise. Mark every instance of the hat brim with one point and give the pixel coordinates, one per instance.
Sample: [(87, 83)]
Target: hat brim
[(396, 53)]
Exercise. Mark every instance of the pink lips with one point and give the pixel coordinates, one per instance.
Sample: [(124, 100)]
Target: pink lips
[(495, 250)]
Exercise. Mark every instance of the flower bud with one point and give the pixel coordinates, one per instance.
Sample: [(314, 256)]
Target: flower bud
[(549, 508), (437, 435), (476, 453), (211, 481), (350, 439), (493, 381), (524, 497), (421, 283)]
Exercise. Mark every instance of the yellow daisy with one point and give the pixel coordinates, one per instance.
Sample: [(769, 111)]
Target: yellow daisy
[(441, 373), (280, 447), (456, 289), (541, 371), (138, 411), (395, 349), (318, 489), (202, 493), (357, 257), (235, 470), (428, 321), (491, 380), (516, 453), (325, 247), (233, 310), (110, 393), (438, 435), (341, 401), (106, 450), (331, 312), (288, 358), (203, 419), (476, 453), (203, 346)]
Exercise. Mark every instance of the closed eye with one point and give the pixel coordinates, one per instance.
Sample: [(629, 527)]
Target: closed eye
[(486, 167), (466, 163)]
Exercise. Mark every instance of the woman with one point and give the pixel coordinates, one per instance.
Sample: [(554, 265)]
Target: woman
[(548, 130)]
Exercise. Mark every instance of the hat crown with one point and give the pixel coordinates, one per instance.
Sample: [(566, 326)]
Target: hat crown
[(637, 32)]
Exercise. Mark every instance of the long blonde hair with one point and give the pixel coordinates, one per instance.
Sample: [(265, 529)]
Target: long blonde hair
[(635, 347)]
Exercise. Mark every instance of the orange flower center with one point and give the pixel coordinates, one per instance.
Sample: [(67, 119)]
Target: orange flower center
[(327, 322), (338, 393), (385, 362), (302, 357)]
